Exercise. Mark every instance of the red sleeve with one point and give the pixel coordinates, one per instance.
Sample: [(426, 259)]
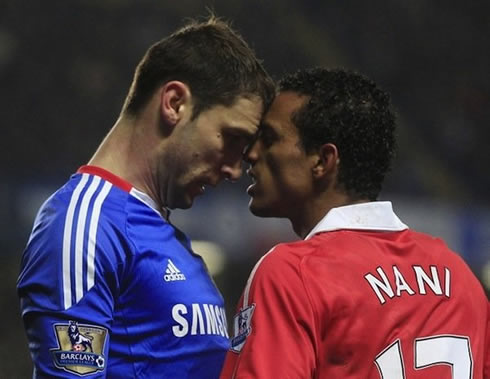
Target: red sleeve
[(486, 373), (274, 327)]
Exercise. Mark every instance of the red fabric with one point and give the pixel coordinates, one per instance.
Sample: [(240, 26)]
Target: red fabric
[(487, 351), (106, 175), (317, 316)]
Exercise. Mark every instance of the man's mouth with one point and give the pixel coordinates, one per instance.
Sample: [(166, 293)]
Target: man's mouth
[(200, 187), (250, 189), (251, 174)]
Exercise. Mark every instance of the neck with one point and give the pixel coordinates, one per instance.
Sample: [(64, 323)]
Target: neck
[(126, 152), (310, 214)]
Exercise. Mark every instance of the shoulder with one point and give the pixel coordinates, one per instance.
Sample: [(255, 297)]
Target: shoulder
[(83, 219), (82, 196), (294, 254), (85, 206), (438, 247), (284, 255), (279, 267)]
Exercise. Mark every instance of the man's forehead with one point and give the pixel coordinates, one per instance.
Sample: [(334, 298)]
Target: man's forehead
[(286, 103), (247, 102), (283, 107), (245, 108), (243, 115)]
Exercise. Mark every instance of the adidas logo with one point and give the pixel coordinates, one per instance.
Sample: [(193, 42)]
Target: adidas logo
[(172, 273)]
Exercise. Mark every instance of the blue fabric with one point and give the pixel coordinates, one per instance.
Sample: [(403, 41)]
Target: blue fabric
[(151, 309)]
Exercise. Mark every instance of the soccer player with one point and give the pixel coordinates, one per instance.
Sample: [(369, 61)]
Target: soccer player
[(108, 286), (362, 295)]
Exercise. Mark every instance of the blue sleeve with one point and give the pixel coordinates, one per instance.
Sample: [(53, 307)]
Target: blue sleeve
[(68, 282)]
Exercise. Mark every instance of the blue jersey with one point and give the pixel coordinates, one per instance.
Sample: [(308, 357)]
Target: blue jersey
[(109, 288)]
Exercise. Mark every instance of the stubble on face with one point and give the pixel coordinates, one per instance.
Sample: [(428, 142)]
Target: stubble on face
[(209, 148)]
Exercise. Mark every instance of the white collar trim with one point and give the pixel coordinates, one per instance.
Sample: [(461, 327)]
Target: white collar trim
[(375, 215), (144, 198)]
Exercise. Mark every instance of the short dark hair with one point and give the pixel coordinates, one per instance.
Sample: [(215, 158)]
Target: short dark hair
[(211, 58), (349, 110)]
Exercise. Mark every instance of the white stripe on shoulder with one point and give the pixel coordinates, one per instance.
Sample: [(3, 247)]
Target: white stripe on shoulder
[(80, 237), (92, 236), (250, 278), (67, 240)]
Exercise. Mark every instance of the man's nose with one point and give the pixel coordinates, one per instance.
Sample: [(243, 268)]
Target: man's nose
[(250, 154), (233, 172)]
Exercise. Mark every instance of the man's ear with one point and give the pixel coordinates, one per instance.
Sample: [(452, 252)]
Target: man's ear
[(175, 100), (327, 161)]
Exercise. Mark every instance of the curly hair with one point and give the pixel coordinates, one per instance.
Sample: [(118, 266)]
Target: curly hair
[(348, 110), (211, 58)]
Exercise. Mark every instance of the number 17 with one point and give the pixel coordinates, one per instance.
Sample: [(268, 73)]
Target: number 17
[(453, 351)]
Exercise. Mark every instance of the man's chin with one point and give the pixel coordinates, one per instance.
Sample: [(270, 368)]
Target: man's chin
[(183, 203), (186, 206), (260, 210)]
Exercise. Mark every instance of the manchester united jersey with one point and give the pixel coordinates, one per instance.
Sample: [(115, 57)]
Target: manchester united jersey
[(109, 288), (362, 296)]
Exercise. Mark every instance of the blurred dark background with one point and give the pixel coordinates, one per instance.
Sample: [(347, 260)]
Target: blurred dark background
[(66, 66)]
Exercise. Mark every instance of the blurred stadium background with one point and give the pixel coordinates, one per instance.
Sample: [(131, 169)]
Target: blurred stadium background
[(65, 67)]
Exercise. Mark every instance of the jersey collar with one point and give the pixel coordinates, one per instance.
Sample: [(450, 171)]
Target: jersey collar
[(375, 215), (106, 175), (143, 197), (126, 186)]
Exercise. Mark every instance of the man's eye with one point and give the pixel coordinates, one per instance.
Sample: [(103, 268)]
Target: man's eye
[(240, 140), (237, 142), (267, 137), (251, 142)]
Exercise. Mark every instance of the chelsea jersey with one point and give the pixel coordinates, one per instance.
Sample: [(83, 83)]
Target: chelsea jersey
[(109, 288)]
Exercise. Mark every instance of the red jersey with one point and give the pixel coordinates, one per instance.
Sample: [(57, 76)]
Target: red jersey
[(361, 297)]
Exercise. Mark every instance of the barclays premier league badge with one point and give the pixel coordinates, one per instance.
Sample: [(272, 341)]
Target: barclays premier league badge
[(80, 348), (242, 328)]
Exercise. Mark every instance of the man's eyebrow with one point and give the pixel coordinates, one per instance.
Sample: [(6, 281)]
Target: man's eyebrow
[(236, 131), (268, 129), (265, 125)]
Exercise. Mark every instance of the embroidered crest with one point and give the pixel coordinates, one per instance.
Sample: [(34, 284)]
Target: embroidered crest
[(242, 328), (80, 348)]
